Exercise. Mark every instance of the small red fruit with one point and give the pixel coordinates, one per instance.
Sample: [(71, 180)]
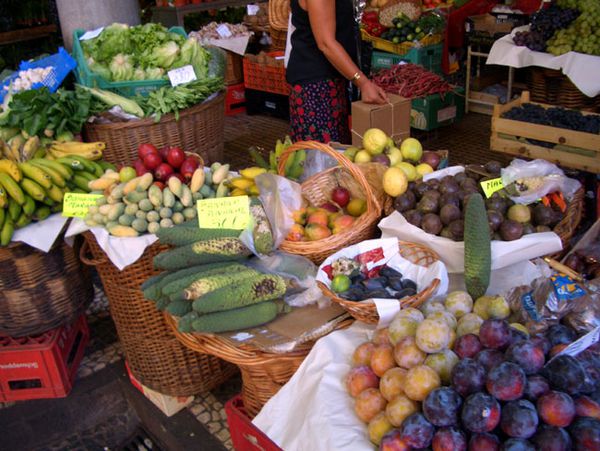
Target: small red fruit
[(330, 207), (161, 185), (140, 169), (179, 176), (145, 149), (175, 157), (152, 160), (164, 152), (163, 172), (189, 165), (340, 196)]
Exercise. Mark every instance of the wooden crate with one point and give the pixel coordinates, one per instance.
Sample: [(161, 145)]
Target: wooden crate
[(577, 150)]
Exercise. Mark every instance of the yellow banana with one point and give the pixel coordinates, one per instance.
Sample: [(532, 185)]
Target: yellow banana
[(11, 168), (55, 193), (56, 177), (91, 151), (251, 173), (65, 171), (15, 144), (238, 192), (33, 188), (253, 190), (29, 148), (36, 174), (241, 183), (12, 188)]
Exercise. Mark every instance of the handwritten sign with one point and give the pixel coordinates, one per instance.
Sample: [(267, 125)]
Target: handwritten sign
[(75, 205), (182, 75), (491, 186), (224, 213)]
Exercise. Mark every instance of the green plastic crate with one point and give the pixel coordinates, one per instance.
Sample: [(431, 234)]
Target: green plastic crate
[(86, 77), (430, 57), (432, 112)]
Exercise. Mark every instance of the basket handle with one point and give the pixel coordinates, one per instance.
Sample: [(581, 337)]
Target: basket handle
[(84, 251), (372, 204)]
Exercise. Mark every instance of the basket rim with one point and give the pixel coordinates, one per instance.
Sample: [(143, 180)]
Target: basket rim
[(278, 12)]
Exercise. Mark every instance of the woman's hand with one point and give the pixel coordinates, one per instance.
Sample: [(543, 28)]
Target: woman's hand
[(371, 93)]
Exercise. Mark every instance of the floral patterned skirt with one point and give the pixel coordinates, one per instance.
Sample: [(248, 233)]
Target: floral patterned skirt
[(319, 111)]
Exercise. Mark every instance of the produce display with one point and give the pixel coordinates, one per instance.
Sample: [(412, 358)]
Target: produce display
[(586, 260), (544, 24), (294, 166), (215, 30), (159, 191), (411, 81), (404, 29), (26, 79), (458, 375)]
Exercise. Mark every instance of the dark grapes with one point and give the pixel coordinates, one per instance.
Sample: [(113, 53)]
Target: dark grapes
[(544, 24)]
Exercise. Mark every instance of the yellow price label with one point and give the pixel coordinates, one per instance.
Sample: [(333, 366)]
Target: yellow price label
[(76, 205), (491, 186), (224, 213)]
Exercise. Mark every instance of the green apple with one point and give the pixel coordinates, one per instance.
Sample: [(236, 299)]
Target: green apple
[(395, 155), (362, 156), (126, 173), (374, 141), (412, 149)]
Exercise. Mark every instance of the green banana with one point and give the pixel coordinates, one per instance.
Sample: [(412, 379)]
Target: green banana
[(87, 175), (71, 162), (55, 176), (55, 193), (29, 205), (33, 188), (12, 188), (36, 174), (106, 165), (14, 210), (23, 220), (65, 171), (3, 217), (98, 170), (6, 234), (258, 158), (297, 167), (81, 182), (42, 213)]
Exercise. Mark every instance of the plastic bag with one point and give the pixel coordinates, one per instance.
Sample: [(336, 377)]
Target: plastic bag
[(316, 161), (585, 317), (541, 176), (217, 63)]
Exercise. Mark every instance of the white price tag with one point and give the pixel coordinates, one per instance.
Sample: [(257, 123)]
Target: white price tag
[(223, 31), (252, 10), (91, 34), (582, 344), (182, 75)]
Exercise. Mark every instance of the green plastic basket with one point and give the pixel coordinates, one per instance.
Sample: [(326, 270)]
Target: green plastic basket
[(86, 77)]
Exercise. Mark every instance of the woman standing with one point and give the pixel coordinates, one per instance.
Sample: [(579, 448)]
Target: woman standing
[(322, 61)]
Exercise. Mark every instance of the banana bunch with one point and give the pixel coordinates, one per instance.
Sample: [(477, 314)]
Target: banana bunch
[(244, 185), (294, 166), (90, 151), (18, 148), (32, 190)]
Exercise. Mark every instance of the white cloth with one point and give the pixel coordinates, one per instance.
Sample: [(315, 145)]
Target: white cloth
[(42, 234), (288, 41)]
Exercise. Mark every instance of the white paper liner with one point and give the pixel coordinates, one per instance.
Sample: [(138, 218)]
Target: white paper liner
[(42, 234)]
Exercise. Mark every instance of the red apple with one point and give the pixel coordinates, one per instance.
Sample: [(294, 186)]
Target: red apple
[(145, 149), (330, 207), (163, 172), (175, 157), (187, 168), (140, 169), (164, 152), (161, 185), (340, 196), (152, 160)]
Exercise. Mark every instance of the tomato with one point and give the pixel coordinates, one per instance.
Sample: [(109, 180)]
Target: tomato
[(145, 149)]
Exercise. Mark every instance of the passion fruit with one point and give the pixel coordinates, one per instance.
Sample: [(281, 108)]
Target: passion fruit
[(511, 230), (519, 213)]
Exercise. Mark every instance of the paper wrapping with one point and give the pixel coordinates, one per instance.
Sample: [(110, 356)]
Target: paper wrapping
[(581, 69), (42, 234)]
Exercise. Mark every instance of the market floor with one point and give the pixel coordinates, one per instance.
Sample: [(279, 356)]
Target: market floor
[(104, 411)]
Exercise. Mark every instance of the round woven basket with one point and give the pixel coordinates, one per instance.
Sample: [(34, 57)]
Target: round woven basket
[(279, 12), (199, 130), (367, 311), (263, 374), (154, 355), (317, 190), (39, 290)]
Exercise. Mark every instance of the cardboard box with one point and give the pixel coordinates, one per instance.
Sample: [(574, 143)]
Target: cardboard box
[(169, 405), (393, 119)]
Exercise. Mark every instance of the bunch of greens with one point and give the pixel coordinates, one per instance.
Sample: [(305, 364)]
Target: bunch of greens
[(142, 52)]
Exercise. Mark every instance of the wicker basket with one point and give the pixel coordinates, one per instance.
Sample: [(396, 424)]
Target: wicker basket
[(565, 229), (317, 190), (279, 12), (199, 130), (39, 290), (367, 312), (263, 374), (155, 356), (552, 86), (278, 40), (234, 72)]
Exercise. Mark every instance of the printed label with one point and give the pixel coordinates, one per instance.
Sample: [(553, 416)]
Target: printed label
[(582, 344), (566, 289), (528, 304), (446, 114)]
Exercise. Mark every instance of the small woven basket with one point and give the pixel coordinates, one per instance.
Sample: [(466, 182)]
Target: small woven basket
[(565, 229), (317, 190), (367, 311), (279, 12), (263, 374), (39, 290), (156, 358), (200, 129)]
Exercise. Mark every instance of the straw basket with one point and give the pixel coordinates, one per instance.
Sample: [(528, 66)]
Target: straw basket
[(279, 12), (199, 130), (39, 290), (263, 374), (317, 190), (367, 312), (565, 229), (154, 355)]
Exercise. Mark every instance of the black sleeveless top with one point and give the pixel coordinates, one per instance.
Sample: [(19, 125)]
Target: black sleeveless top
[(307, 63)]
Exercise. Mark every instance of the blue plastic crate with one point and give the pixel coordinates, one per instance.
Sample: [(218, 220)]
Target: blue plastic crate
[(62, 63)]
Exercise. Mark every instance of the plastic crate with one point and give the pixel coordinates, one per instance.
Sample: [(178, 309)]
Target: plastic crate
[(235, 100), (399, 49), (244, 435), (86, 77), (262, 102), (262, 77), (432, 112), (430, 57), (62, 63), (42, 366)]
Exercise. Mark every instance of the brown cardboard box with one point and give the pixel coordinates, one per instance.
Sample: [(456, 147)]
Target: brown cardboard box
[(392, 118)]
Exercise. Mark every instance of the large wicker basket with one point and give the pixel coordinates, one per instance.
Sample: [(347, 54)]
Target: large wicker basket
[(367, 311), (263, 374), (317, 190), (199, 130), (154, 355), (553, 87), (39, 290)]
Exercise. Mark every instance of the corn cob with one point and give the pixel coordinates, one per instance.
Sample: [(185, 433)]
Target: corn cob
[(261, 234), (151, 288), (185, 322), (202, 252), (162, 303), (175, 289), (201, 286), (182, 234), (239, 318), (179, 308), (249, 291)]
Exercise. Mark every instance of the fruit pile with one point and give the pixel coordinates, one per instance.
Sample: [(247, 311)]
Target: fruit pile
[(586, 260), (294, 165), (165, 163), (437, 206), (543, 25), (445, 378), (335, 216), (405, 29), (582, 34)]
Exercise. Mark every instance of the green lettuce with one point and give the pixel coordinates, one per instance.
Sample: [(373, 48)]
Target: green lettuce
[(165, 55), (114, 39), (154, 73), (121, 67), (99, 69)]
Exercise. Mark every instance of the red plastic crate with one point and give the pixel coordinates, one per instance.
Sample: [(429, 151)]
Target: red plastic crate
[(244, 435), (42, 366), (262, 77), (235, 99)]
